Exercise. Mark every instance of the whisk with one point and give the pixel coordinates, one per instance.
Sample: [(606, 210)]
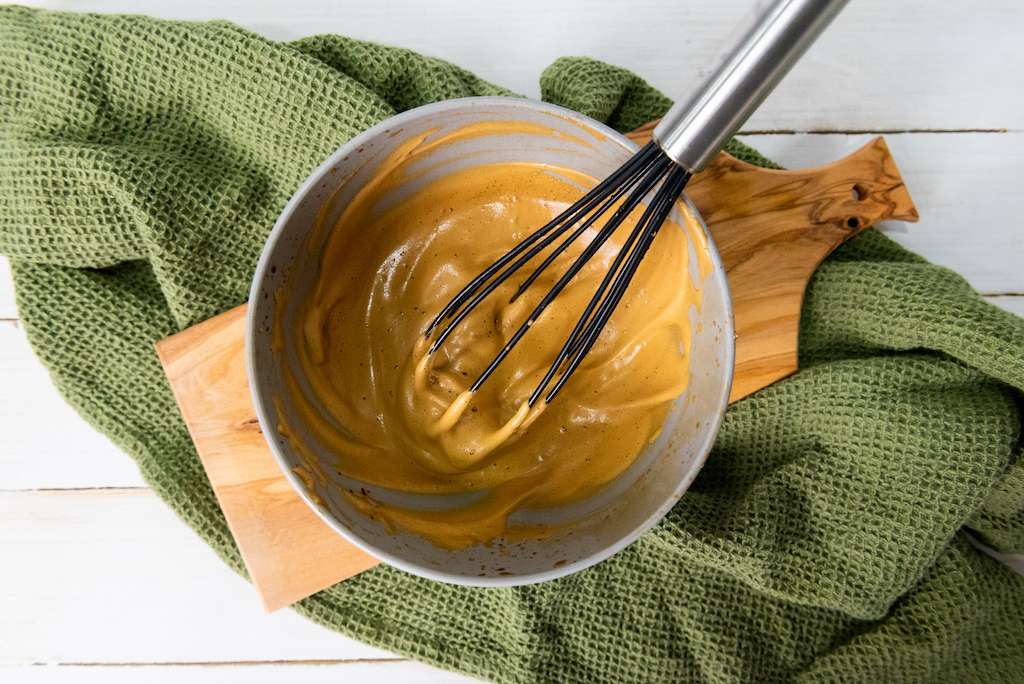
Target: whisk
[(685, 140)]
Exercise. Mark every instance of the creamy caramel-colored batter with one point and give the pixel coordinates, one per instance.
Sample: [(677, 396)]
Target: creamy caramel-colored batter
[(387, 270)]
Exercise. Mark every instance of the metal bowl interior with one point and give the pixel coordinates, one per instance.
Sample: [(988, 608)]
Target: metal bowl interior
[(588, 531)]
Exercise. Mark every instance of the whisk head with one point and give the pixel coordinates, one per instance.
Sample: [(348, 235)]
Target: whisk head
[(649, 170)]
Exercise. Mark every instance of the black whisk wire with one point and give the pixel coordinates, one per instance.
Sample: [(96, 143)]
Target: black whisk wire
[(575, 211), (612, 199), (638, 177), (639, 192), (488, 287), (588, 328), (671, 190)]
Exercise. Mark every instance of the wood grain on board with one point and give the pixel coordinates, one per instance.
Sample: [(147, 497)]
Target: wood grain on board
[(772, 229), (288, 550)]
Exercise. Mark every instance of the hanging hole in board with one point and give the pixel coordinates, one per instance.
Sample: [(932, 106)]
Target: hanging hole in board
[(853, 222)]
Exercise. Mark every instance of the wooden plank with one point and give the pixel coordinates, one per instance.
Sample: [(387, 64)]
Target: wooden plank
[(45, 442), (1012, 303), (882, 66), (405, 671), (966, 187), (289, 552), (144, 589)]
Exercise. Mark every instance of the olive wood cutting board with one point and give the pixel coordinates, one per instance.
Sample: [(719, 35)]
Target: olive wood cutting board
[(772, 229)]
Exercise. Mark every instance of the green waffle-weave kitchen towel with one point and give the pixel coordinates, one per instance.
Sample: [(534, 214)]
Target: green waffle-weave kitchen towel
[(142, 164)]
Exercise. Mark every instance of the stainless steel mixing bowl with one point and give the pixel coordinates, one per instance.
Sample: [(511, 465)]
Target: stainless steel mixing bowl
[(588, 531)]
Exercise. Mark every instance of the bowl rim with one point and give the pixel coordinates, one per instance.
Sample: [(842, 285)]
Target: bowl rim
[(271, 433)]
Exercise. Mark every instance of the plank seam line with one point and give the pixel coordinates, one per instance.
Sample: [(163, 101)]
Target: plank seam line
[(222, 663), (47, 490)]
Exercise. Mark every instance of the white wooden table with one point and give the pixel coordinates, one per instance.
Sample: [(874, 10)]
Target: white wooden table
[(99, 581)]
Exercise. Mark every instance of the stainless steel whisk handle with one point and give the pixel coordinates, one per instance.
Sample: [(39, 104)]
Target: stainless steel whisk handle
[(699, 125)]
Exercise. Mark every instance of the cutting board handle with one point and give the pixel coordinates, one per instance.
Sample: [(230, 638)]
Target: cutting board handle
[(773, 227)]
